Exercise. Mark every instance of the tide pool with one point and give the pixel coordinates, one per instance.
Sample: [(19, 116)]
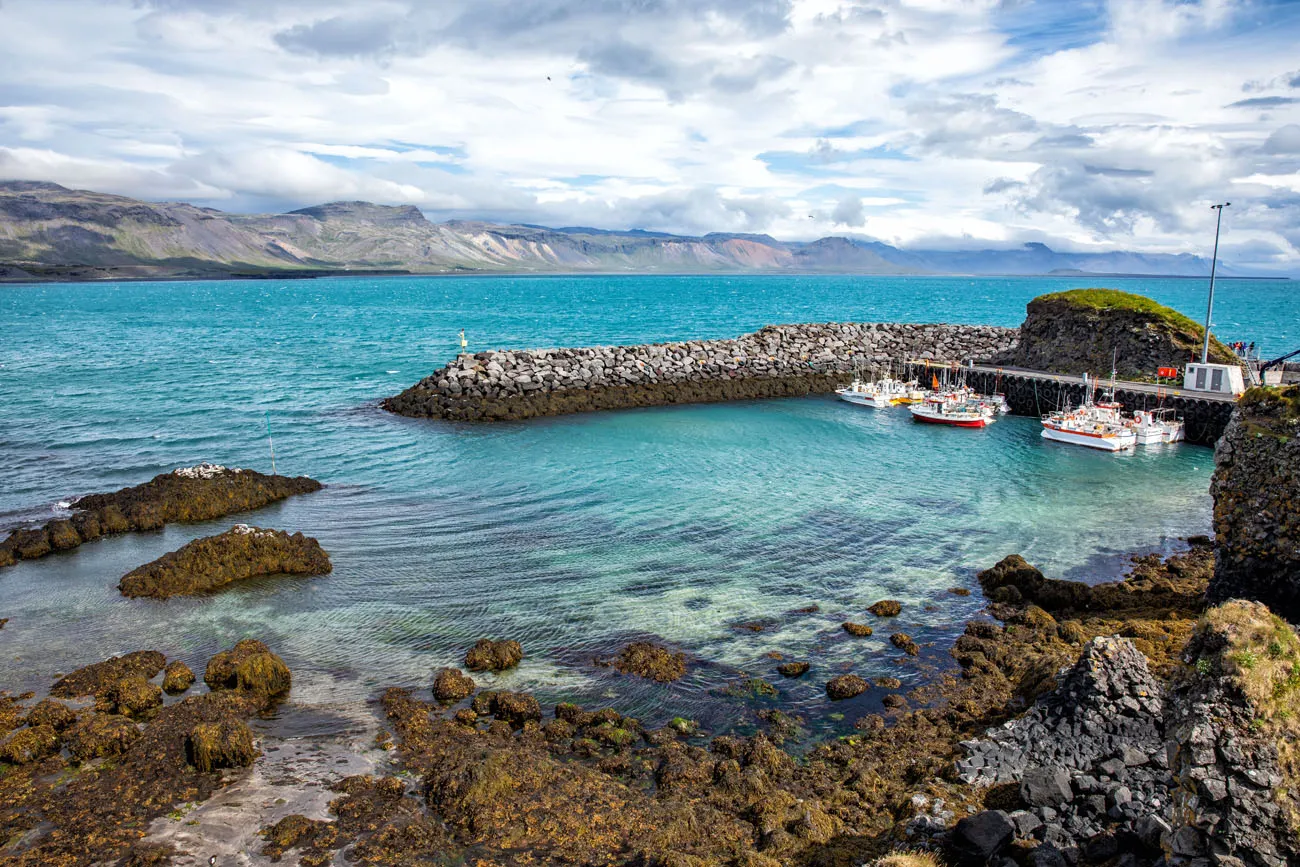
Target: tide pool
[(571, 534)]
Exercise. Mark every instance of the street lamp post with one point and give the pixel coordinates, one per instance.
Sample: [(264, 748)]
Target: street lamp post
[(1209, 311)]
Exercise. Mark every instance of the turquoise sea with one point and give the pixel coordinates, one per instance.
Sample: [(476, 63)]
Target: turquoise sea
[(571, 534)]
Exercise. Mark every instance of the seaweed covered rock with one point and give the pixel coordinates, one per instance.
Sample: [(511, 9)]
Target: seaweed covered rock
[(860, 630), (95, 679), (515, 708), (886, 608), (188, 494), (177, 677), (133, 696), (248, 667), (100, 735), (48, 712), (1082, 330), (793, 669), (846, 686), (1256, 489), (1178, 583), (904, 642), (648, 660), (29, 745), (489, 655), (212, 562), (451, 684), (226, 743)]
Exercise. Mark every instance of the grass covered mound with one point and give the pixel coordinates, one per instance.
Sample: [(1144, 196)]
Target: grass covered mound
[(1082, 330)]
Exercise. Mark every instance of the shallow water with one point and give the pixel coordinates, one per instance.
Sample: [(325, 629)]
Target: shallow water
[(571, 534)]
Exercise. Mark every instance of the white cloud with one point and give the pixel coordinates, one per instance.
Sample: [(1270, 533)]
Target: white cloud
[(910, 120)]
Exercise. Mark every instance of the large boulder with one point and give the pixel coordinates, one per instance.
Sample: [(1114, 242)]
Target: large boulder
[(489, 655), (214, 561), (226, 743), (1084, 330), (1256, 489), (248, 667)]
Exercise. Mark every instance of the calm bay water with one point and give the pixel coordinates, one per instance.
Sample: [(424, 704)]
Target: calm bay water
[(571, 534)]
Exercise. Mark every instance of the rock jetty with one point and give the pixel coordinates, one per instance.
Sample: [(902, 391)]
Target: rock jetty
[(214, 561), (1256, 488), (777, 361), (188, 494)]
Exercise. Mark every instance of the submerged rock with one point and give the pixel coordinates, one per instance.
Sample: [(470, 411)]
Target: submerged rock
[(857, 629), (886, 608), (793, 669), (215, 561), (249, 667), (648, 660), (846, 686), (489, 655), (95, 679), (904, 642), (451, 684), (185, 495)]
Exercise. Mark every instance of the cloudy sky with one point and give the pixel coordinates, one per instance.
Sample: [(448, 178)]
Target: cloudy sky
[(952, 123)]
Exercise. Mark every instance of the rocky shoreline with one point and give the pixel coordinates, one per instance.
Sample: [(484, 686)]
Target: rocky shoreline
[(777, 361), (185, 495)]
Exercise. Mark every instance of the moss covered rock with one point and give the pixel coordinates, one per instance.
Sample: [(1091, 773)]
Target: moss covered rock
[(134, 696), (859, 629), (177, 677), (648, 660), (100, 735), (451, 684), (213, 562), (224, 744), (886, 608), (49, 712), (846, 686), (95, 679), (489, 655), (29, 745), (249, 667), (1082, 330)]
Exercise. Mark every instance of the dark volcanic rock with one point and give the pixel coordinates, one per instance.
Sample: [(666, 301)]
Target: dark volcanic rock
[(1082, 330), (188, 494), (95, 679), (248, 667), (975, 840), (451, 684), (1256, 488), (648, 660), (489, 655), (846, 686), (1182, 586), (212, 562)]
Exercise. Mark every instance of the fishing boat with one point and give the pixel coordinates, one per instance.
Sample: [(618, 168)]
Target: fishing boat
[(966, 413), (879, 394), (1156, 426), (1094, 425)]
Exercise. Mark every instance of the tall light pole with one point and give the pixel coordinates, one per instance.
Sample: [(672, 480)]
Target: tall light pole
[(1209, 311)]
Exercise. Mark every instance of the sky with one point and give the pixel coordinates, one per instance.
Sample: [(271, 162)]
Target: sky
[(1089, 125)]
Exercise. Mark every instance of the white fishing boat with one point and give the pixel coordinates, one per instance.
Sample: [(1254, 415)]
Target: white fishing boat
[(1156, 426), (1098, 425), (879, 394)]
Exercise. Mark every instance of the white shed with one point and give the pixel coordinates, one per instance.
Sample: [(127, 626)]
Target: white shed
[(1217, 378)]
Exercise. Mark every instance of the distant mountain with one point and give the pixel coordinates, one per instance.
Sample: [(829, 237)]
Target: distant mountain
[(50, 232)]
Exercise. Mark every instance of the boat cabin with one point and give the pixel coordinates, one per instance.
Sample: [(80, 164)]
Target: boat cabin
[(1217, 378)]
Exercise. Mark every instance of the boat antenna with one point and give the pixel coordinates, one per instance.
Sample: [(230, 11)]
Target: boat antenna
[(271, 441), (1214, 261)]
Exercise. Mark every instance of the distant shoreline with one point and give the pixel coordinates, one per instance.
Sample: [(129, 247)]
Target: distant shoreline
[(43, 279)]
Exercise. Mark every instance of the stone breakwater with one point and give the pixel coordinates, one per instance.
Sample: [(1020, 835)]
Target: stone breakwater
[(777, 361)]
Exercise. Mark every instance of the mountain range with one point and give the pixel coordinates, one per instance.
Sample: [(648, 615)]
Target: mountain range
[(50, 232)]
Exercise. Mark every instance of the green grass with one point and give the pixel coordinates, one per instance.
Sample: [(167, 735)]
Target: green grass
[(1113, 299)]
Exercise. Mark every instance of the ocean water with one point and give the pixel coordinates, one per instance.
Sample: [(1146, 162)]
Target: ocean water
[(572, 534)]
